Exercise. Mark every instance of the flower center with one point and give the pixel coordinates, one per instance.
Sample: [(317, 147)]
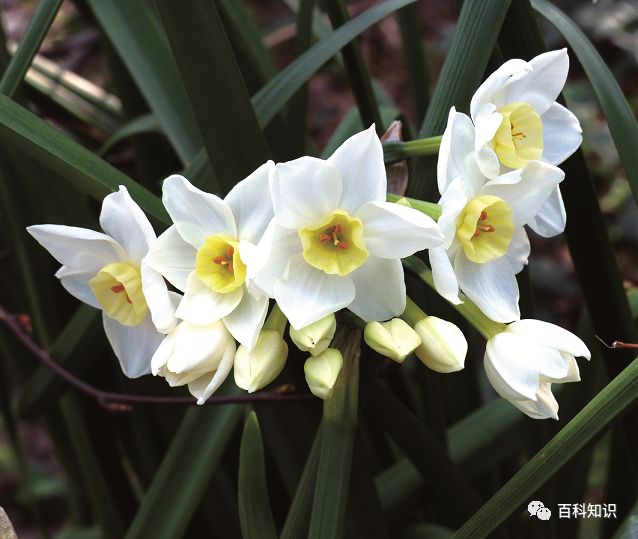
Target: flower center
[(485, 228), (118, 288), (218, 264), (334, 244), (519, 138)]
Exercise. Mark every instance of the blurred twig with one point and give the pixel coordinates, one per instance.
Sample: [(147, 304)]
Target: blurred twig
[(122, 402)]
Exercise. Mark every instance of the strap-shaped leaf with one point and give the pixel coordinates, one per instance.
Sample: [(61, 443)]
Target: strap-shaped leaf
[(621, 120), (255, 515)]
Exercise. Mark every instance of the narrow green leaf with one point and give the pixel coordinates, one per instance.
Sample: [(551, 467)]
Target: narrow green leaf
[(136, 33), (43, 143), (272, 97), (471, 47), (621, 120), (396, 151), (337, 440), (255, 515), (216, 90), (37, 29), (192, 457), (593, 419), (146, 123)]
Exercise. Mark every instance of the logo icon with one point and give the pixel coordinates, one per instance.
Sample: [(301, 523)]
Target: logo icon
[(536, 508)]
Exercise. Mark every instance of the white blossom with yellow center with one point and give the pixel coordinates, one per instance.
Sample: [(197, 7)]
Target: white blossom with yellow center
[(334, 241), (202, 254), (107, 272), (483, 223), (517, 120)]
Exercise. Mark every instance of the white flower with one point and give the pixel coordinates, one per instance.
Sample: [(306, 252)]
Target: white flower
[(198, 355), (443, 345), (394, 339), (334, 241), (482, 221), (518, 120), (202, 254), (316, 337), (322, 372), (258, 367), (524, 360), (107, 272)]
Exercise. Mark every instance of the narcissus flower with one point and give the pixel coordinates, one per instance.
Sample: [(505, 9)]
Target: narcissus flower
[(394, 339), (482, 221), (322, 372), (258, 367), (198, 355), (334, 241), (316, 337), (443, 345), (107, 272), (523, 361), (517, 120), (202, 254)]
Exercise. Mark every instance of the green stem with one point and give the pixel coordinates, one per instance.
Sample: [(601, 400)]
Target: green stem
[(396, 151), (486, 327), (429, 208), (276, 320), (413, 313)]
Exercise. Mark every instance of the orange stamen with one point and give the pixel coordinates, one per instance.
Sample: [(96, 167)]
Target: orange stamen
[(117, 288)]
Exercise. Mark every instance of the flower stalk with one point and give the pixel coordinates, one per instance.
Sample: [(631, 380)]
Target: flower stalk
[(396, 151)]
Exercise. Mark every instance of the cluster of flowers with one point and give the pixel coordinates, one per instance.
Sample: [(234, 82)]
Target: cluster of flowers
[(318, 236)]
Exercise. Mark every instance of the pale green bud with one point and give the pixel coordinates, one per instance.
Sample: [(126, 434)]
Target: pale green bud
[(443, 345), (394, 339), (322, 372), (258, 367), (316, 337)]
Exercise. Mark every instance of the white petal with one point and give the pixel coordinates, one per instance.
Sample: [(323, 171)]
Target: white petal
[(443, 274), (204, 387), (133, 346), (551, 335), (551, 218), (158, 299), (545, 406), (360, 163), (76, 283), (199, 347), (304, 191), (173, 257), (380, 289), (452, 203), (456, 155), (247, 319), (525, 190), (492, 286), (542, 85), (309, 294), (395, 231), (269, 261), (78, 248), (487, 123), (519, 249), (196, 214), (201, 305), (511, 365), (251, 205), (123, 220), (491, 91), (562, 134)]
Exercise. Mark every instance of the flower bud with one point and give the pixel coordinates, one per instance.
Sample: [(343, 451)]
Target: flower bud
[(443, 345), (322, 372), (258, 367), (394, 339), (316, 337)]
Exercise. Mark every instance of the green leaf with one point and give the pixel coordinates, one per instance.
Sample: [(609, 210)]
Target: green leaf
[(146, 123), (33, 37), (593, 419), (255, 515), (187, 467), (216, 90), (461, 73), (621, 120), (272, 97), (43, 143), (136, 33), (337, 440)]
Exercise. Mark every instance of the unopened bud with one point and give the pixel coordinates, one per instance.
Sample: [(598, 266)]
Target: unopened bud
[(394, 339), (322, 372), (316, 337), (258, 367), (443, 345)]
